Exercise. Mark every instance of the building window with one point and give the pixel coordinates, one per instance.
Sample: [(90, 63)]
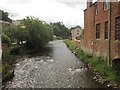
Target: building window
[(117, 29), (106, 30), (98, 31), (105, 4), (77, 33), (96, 9)]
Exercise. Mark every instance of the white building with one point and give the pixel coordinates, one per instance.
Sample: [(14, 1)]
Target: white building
[(76, 32)]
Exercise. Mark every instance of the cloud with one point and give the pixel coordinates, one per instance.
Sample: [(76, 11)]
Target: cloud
[(14, 14), (72, 3), (16, 1), (70, 13)]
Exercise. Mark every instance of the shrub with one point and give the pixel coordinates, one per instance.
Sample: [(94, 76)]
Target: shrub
[(6, 72), (6, 57), (6, 39), (7, 61), (37, 33)]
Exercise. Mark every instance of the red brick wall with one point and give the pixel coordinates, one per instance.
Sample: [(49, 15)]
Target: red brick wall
[(115, 45), (97, 47)]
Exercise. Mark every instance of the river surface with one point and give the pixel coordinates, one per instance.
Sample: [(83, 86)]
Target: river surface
[(57, 68)]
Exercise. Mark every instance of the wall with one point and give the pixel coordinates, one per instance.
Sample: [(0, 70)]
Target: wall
[(100, 47), (75, 31)]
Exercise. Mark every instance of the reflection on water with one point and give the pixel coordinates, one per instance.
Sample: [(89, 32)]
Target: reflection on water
[(56, 67)]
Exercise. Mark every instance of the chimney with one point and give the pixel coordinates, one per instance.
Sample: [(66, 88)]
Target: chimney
[(89, 3)]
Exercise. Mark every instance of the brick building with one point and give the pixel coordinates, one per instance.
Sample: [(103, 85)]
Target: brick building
[(102, 29)]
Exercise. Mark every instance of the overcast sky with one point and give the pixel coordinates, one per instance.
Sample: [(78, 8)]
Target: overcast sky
[(70, 12)]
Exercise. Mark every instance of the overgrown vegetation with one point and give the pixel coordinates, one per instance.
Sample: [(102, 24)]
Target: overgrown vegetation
[(5, 16), (97, 63), (6, 39), (60, 30), (37, 32), (7, 61), (29, 35)]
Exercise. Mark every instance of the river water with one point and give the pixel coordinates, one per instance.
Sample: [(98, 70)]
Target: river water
[(56, 68)]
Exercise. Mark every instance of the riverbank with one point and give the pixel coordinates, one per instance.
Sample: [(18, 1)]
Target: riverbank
[(103, 73), (13, 55), (10, 57), (56, 68)]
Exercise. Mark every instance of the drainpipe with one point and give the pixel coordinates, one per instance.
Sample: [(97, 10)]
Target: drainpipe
[(0, 42), (0, 48), (109, 32), (0, 37)]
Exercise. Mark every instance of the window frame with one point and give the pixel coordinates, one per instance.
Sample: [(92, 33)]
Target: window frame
[(106, 30), (98, 31), (96, 9), (117, 28), (77, 33), (105, 5)]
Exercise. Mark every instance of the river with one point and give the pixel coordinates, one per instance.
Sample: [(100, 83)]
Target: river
[(56, 68)]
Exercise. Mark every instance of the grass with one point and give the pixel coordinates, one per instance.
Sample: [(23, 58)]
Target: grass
[(97, 63)]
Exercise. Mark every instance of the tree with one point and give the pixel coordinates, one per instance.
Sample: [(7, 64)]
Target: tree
[(6, 39), (19, 34), (60, 30), (5, 16), (37, 32)]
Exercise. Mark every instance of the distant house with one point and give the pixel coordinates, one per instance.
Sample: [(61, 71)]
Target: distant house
[(102, 29), (5, 22), (76, 32)]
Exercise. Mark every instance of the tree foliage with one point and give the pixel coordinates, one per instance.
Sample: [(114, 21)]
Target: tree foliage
[(5, 16), (13, 32), (37, 32), (6, 39), (60, 30)]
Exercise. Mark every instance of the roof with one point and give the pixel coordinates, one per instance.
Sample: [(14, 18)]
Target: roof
[(92, 4), (76, 27), (4, 22)]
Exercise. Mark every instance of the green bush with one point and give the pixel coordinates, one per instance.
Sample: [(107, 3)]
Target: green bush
[(6, 39), (7, 61), (70, 45), (37, 33), (6, 74), (6, 57)]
